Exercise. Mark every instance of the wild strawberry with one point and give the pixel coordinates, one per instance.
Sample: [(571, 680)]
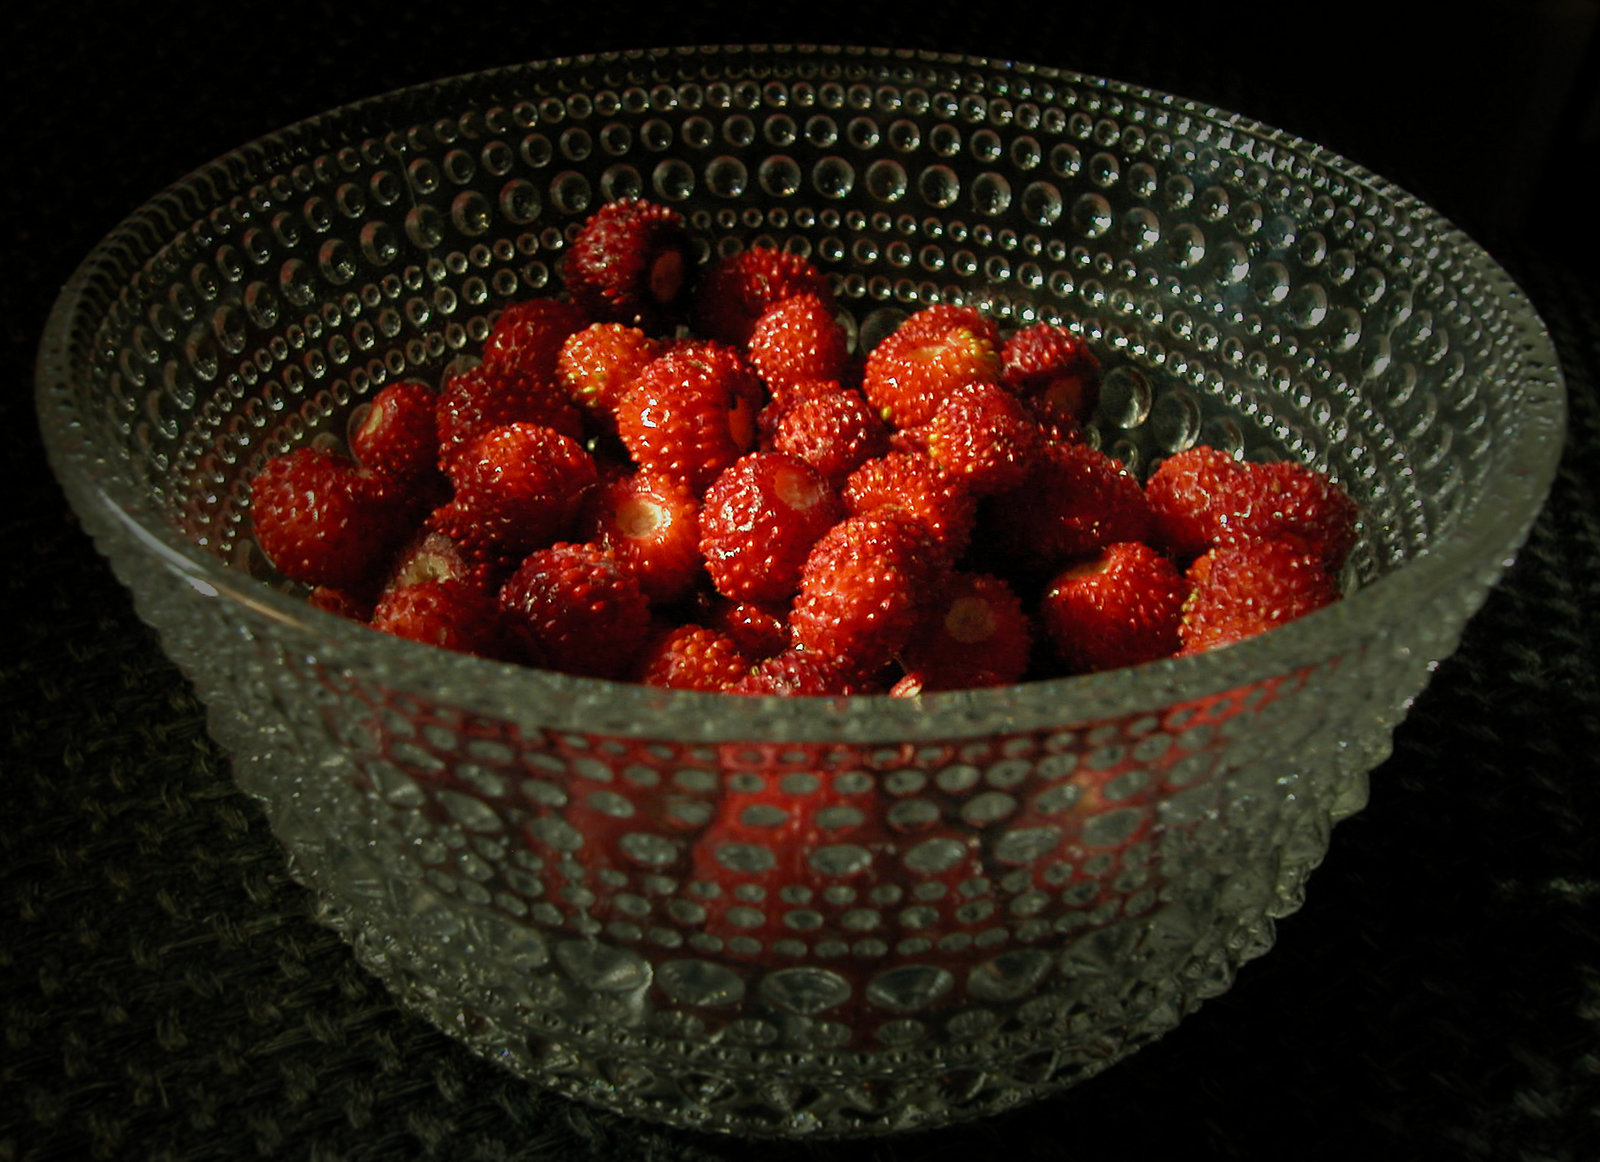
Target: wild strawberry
[(1183, 492), (941, 503), (833, 431), (481, 399), (982, 434), (1120, 608), (1073, 502), (573, 609), (798, 339), (691, 657), (940, 348), (651, 525), (1048, 365), (691, 412), (632, 262), (759, 631), (977, 635), (398, 435), (1240, 590), (795, 673), (451, 613), (341, 602), (597, 365), (321, 521), (429, 555), (526, 339), (737, 290), (517, 488), (758, 522), (864, 589), (1203, 497)]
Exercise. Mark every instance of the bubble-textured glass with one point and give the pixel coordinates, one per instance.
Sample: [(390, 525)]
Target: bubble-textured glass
[(1076, 864)]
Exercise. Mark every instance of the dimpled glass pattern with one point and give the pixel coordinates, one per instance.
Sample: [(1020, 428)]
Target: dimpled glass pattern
[(1072, 866)]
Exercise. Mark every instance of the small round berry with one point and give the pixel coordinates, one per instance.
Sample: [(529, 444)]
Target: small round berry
[(738, 289), (977, 635), (322, 522), (1048, 365), (527, 337), (864, 589), (758, 522), (835, 432), (651, 525), (517, 488), (573, 609), (938, 349), (398, 435), (1120, 608), (691, 657), (691, 412), (912, 484), (798, 339), (632, 262)]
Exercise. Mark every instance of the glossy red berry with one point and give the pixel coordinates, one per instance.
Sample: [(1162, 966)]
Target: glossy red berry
[(632, 262), (691, 412), (571, 608), (1119, 608), (758, 523)]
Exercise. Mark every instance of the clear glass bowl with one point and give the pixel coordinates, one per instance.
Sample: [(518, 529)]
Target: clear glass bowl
[(1077, 863)]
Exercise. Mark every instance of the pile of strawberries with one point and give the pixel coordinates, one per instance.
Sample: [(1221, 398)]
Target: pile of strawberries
[(682, 475)]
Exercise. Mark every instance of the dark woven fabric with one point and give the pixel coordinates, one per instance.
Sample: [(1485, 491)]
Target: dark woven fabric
[(164, 994)]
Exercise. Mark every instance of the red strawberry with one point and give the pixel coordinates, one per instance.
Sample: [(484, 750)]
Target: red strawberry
[(792, 673), (758, 630), (517, 488), (597, 365), (398, 436), (798, 339), (691, 657), (481, 399), (572, 608), (1120, 608), (1240, 590), (526, 338), (321, 521), (651, 525), (632, 262), (834, 431), (451, 613), (865, 589), (1183, 492), (341, 602), (1048, 365), (429, 556), (736, 291), (982, 434), (758, 522), (977, 635), (915, 485), (691, 412), (1203, 497), (940, 348), (1073, 502)]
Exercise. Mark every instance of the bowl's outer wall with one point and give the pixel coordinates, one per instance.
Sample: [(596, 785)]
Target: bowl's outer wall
[(1088, 860)]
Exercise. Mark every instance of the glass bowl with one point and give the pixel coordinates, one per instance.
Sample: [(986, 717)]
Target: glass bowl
[(1075, 864)]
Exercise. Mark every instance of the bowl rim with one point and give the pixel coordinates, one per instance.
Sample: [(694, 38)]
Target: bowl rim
[(1481, 546)]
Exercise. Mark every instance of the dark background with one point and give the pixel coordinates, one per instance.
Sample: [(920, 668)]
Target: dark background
[(163, 992)]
